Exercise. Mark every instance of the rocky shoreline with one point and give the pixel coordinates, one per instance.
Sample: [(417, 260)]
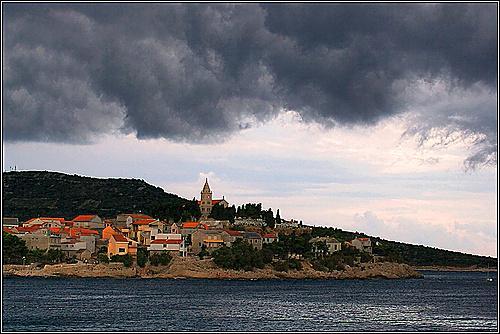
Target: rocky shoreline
[(451, 268), (206, 269)]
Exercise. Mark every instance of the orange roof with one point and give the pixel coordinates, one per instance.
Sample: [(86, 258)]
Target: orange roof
[(29, 229), (167, 241), (269, 235), (195, 225), (8, 230), (363, 239), (75, 231), (213, 240), (139, 216), (214, 201), (143, 221), (119, 238), (56, 230), (233, 233), (83, 218)]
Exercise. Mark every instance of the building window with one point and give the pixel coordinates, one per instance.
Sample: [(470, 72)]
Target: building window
[(121, 250), (152, 237)]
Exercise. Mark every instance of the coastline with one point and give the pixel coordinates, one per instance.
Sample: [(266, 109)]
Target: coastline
[(453, 268), (181, 268)]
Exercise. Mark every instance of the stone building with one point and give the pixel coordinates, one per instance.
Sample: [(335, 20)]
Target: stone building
[(326, 245), (206, 202), (362, 244)]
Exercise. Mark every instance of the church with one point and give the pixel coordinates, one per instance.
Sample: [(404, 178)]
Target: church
[(207, 203)]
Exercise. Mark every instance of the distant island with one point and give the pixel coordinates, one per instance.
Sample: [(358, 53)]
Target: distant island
[(56, 224)]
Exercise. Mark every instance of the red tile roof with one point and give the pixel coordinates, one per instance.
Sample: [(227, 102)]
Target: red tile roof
[(45, 219), (233, 233), (119, 238), (143, 221), (139, 216), (195, 225), (75, 231), (52, 218), (56, 230), (83, 218), (214, 201), (167, 241), (29, 229), (363, 239), (8, 230), (269, 235)]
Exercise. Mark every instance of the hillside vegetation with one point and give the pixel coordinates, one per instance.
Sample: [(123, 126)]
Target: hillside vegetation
[(416, 255), (30, 194)]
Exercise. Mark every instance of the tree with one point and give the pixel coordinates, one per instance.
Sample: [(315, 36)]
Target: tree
[(102, 258), (162, 258), (13, 248), (125, 259), (54, 256), (219, 212), (203, 252), (142, 257), (241, 255), (269, 218), (278, 217)]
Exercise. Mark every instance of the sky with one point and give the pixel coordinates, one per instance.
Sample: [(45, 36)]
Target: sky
[(373, 118)]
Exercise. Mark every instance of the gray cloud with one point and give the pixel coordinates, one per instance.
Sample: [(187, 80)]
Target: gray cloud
[(199, 72)]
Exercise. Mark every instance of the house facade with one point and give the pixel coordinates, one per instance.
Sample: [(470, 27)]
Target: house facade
[(88, 221), (210, 239), (254, 239), (362, 244), (325, 245), (120, 245)]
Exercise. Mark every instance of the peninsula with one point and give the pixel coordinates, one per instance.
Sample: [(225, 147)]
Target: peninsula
[(67, 225)]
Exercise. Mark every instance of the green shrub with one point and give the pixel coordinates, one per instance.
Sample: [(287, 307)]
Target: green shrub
[(240, 255), (162, 258), (203, 252), (142, 257), (13, 249), (102, 258), (294, 264), (125, 259), (280, 266)]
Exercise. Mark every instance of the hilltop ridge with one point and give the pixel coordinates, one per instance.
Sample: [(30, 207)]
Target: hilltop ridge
[(28, 194)]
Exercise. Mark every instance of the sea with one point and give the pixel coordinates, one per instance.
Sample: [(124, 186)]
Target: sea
[(440, 301)]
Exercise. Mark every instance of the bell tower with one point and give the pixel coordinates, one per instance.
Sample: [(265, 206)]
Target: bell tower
[(206, 200)]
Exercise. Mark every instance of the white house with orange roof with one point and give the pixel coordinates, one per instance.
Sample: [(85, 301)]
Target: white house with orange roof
[(362, 244), (269, 238)]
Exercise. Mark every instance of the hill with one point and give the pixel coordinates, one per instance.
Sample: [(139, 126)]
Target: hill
[(30, 194), (416, 255)]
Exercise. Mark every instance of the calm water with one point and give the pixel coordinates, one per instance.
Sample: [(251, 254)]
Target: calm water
[(439, 302)]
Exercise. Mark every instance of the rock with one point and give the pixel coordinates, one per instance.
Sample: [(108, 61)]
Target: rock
[(194, 268)]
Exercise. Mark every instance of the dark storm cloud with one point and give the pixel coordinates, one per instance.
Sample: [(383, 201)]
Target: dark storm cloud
[(198, 72)]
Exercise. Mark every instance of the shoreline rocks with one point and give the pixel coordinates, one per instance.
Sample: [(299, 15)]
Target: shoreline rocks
[(190, 267)]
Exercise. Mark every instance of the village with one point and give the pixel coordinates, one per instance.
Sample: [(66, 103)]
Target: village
[(89, 238)]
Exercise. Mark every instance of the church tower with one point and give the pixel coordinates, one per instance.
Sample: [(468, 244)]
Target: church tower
[(206, 200)]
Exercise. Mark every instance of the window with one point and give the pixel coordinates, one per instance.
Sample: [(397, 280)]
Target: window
[(121, 250), (152, 237)]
